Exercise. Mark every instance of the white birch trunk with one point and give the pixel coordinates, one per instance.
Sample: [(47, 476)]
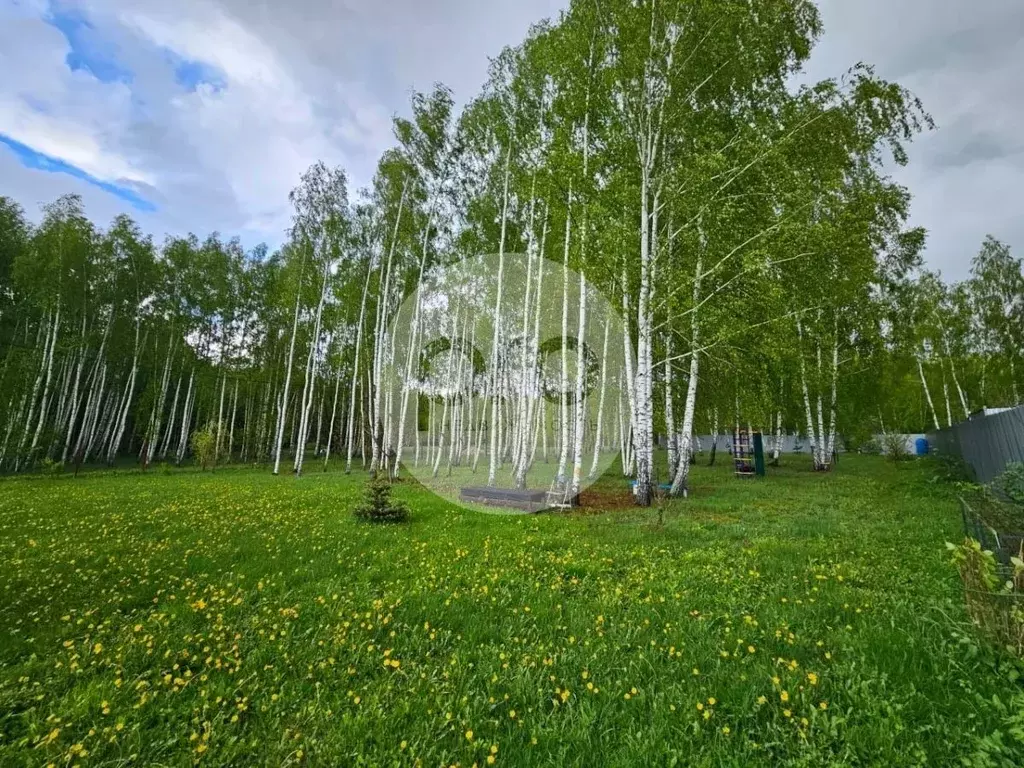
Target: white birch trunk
[(45, 372), (680, 483), (129, 394), (334, 412), (380, 333), (283, 411), (563, 409), (170, 421), (349, 428), (644, 425), (492, 470), (807, 397), (309, 386), (75, 403), (927, 394), (598, 434), (186, 412), (581, 375), (670, 420), (231, 426), (156, 419), (220, 414), (830, 443)]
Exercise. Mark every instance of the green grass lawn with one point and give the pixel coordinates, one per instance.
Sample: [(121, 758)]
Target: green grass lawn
[(243, 619)]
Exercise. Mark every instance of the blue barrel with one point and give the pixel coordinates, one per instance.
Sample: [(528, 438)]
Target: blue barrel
[(922, 446)]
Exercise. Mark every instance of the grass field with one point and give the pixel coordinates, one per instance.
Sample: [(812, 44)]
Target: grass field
[(241, 619)]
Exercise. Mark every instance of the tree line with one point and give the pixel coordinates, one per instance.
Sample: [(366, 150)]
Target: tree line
[(746, 229)]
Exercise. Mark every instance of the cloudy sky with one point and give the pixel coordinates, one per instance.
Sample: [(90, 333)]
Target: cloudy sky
[(199, 115)]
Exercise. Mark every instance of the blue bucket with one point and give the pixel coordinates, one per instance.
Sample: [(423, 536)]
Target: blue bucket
[(922, 446)]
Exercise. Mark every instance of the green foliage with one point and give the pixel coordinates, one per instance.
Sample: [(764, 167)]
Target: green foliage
[(1005, 745), (378, 506), (953, 469), (204, 445), (872, 447), (1011, 482), (995, 605), (993, 509), (51, 467), (858, 437)]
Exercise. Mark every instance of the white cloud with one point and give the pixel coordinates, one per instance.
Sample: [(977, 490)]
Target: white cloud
[(67, 115), (313, 80), (296, 84), (203, 32)]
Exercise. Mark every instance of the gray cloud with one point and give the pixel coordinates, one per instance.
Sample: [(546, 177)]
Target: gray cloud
[(963, 60)]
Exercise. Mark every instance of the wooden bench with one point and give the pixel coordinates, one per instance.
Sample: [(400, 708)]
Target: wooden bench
[(526, 500)]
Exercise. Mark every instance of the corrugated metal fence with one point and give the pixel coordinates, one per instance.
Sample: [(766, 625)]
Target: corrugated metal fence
[(986, 442)]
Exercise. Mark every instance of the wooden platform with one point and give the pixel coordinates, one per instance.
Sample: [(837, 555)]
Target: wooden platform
[(528, 500)]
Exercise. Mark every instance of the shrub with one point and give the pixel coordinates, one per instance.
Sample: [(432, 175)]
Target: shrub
[(204, 445), (994, 595), (953, 469), (378, 506), (1011, 482), (52, 467), (895, 446)]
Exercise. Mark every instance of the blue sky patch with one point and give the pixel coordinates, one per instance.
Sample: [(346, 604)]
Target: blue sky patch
[(190, 74), (89, 52), (38, 161)]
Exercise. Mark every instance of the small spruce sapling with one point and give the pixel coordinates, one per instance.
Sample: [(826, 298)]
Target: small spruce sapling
[(378, 506)]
